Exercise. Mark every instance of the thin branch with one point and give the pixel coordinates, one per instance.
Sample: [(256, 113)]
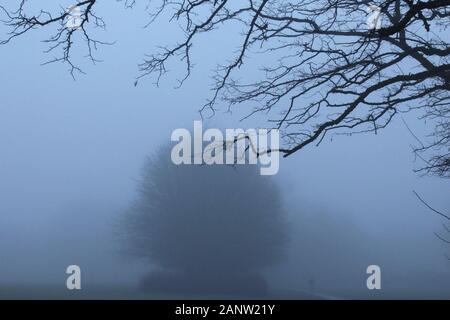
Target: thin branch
[(431, 208)]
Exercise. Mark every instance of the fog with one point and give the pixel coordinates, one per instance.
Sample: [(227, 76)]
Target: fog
[(72, 153)]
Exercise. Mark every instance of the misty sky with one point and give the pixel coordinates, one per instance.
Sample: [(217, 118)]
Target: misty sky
[(71, 152)]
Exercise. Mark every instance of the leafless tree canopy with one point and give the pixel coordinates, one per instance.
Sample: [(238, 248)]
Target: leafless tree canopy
[(333, 74), (211, 227)]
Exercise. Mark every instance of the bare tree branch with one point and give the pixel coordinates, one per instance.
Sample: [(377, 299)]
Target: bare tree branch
[(324, 71), (431, 208)]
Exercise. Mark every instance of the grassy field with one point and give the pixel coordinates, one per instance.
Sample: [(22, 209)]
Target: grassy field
[(127, 293)]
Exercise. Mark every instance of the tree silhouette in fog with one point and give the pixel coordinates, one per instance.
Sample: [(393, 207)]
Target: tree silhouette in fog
[(329, 66), (205, 228)]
